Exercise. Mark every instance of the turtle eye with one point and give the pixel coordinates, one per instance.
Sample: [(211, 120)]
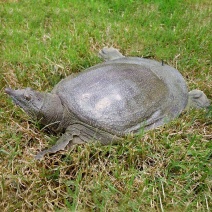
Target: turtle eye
[(27, 97)]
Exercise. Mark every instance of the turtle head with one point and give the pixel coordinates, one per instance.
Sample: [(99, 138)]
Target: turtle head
[(29, 100), (198, 99), (45, 107)]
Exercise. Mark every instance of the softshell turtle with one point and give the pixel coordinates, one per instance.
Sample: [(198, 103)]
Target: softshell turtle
[(110, 100)]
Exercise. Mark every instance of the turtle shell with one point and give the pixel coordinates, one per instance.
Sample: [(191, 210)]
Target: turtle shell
[(124, 95)]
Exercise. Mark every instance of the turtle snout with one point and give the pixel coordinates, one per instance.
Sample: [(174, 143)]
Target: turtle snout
[(13, 93), (8, 91)]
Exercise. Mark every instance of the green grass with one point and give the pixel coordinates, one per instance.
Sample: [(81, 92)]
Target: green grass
[(167, 169)]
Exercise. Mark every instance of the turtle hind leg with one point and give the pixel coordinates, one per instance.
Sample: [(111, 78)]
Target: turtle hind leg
[(110, 54), (79, 134)]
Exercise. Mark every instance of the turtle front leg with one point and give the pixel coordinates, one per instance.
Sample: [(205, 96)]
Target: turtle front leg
[(109, 54), (61, 144), (79, 134)]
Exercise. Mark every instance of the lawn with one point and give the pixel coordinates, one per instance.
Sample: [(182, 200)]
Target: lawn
[(166, 169)]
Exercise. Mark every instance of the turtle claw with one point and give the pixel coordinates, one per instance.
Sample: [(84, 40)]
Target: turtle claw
[(40, 155)]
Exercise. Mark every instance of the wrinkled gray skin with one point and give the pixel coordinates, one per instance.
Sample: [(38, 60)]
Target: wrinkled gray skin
[(110, 100)]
